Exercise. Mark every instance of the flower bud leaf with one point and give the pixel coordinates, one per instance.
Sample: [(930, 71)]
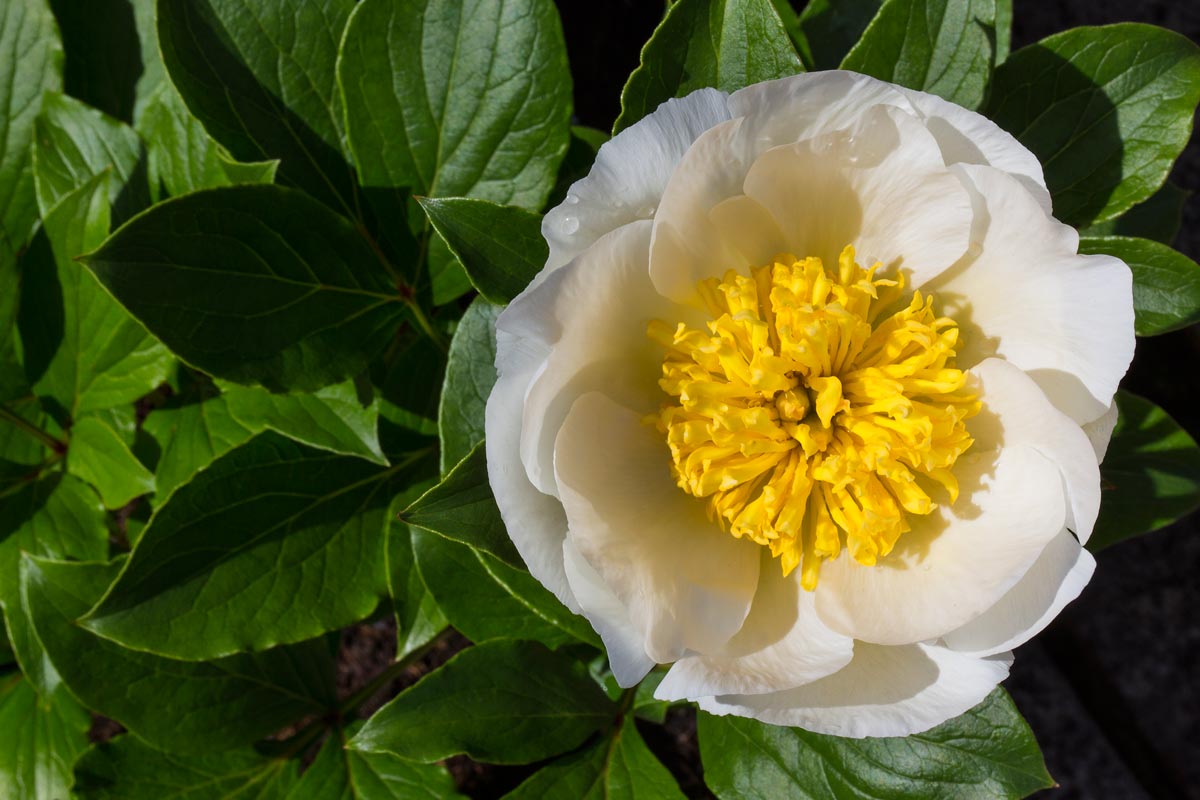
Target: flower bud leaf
[(988, 752), (1107, 110), (945, 47), (1150, 476), (502, 702), (1166, 283), (723, 44)]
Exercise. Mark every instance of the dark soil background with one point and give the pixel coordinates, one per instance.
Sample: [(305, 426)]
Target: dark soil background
[(1112, 688)]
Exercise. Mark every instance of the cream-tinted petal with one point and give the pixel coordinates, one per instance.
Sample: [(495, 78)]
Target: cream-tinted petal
[(883, 691), (1099, 431), (1055, 579), (1024, 294), (685, 583), (782, 644), (629, 175)]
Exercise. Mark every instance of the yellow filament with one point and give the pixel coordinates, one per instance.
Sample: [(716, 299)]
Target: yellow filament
[(807, 422)]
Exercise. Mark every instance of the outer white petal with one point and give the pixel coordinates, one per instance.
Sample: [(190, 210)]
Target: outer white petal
[(783, 644), (883, 691), (966, 137), (625, 644), (1016, 494), (536, 523), (1099, 431), (1027, 296), (880, 184), (1055, 579), (686, 584), (629, 175)]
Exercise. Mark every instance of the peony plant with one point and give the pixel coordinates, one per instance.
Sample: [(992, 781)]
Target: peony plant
[(371, 428)]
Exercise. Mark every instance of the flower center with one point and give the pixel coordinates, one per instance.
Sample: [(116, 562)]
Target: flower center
[(805, 419)]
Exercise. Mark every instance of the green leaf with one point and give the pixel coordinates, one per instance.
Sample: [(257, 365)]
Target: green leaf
[(462, 508), (577, 163), (179, 706), (31, 59), (81, 347), (725, 44), (501, 702), (832, 27), (128, 769), (256, 284), (39, 741), (74, 144), (470, 374), (987, 753), (500, 247), (1158, 218), (284, 543), (418, 618), (946, 47), (1150, 476), (1106, 110), (487, 599), (1166, 283), (339, 774), (98, 456), (103, 53), (619, 767), (476, 102), (260, 75), (193, 433)]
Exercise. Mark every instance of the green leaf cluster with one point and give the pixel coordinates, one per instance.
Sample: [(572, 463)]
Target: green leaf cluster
[(252, 255)]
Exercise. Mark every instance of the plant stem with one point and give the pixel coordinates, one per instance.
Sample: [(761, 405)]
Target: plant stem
[(56, 445), (394, 669)]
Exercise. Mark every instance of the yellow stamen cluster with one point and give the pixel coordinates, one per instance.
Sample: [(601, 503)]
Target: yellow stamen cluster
[(804, 419)]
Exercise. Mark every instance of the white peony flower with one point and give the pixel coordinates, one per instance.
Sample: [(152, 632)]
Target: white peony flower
[(808, 402)]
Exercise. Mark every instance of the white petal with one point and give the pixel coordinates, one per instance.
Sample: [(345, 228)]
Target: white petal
[(625, 645), (536, 523), (592, 316), (1099, 431), (966, 137), (686, 584), (883, 691), (879, 184), (1064, 318), (1055, 579), (629, 175), (1029, 473), (783, 644)]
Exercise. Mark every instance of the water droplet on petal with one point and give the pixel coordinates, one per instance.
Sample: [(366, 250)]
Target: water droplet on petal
[(646, 212), (569, 225), (571, 200)]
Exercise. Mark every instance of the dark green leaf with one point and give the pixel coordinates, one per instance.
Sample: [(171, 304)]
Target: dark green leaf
[(502, 702), (577, 163), (486, 599), (191, 434), (619, 767), (725, 44), (39, 741), (1106, 110), (82, 349), (1150, 476), (257, 284), (339, 774), (260, 75), (1166, 283), (946, 47), (284, 543), (104, 58), (98, 456), (500, 247), (474, 99), (987, 753), (128, 769), (418, 618), (462, 508), (470, 374), (832, 27), (1158, 218), (74, 144), (1004, 20), (31, 59), (180, 706)]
